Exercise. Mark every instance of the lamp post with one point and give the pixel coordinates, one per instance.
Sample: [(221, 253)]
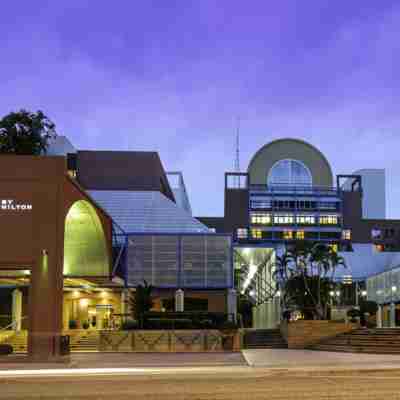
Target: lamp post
[(392, 307)]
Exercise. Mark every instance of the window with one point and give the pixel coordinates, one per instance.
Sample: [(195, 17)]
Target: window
[(287, 235), (289, 172), (334, 247), (305, 219), (300, 235), (266, 204), (262, 219), (346, 234), (242, 233), (328, 220), (389, 233), (379, 247), (256, 233), (376, 233), (283, 219), (328, 205)]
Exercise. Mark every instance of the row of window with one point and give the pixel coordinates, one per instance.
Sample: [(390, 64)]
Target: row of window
[(386, 233), (294, 205), (242, 233), (281, 219)]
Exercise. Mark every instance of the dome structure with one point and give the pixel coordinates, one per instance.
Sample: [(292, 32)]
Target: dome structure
[(290, 162)]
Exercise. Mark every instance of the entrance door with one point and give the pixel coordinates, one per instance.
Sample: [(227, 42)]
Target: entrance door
[(104, 316)]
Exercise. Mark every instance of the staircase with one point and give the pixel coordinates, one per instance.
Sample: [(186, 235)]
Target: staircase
[(18, 341), (84, 340), (264, 339), (378, 341)]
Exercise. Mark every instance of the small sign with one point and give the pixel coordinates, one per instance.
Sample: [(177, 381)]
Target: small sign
[(12, 205)]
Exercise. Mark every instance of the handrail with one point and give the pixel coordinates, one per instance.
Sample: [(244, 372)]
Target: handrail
[(12, 323)]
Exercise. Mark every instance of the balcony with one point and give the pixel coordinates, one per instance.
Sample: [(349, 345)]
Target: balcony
[(289, 190)]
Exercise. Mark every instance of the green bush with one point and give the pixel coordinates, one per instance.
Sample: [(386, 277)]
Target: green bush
[(129, 325), (73, 324), (228, 326), (5, 349), (85, 325)]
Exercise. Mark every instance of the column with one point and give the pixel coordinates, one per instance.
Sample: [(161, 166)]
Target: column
[(379, 317), (17, 309), (179, 300), (231, 304), (392, 315)]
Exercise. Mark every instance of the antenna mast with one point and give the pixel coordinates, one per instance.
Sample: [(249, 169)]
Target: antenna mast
[(237, 159)]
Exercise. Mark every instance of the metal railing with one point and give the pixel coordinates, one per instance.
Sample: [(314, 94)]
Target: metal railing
[(290, 189), (12, 324)]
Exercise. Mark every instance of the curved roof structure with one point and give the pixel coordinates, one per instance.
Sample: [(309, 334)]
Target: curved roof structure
[(294, 149)]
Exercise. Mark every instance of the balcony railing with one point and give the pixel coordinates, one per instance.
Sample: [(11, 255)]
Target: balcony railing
[(289, 189)]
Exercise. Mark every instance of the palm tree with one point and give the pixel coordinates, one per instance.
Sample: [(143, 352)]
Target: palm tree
[(141, 301)]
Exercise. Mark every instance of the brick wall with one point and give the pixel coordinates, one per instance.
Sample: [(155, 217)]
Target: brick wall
[(300, 334)]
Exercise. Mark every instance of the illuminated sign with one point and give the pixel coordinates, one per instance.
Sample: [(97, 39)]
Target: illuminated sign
[(12, 205)]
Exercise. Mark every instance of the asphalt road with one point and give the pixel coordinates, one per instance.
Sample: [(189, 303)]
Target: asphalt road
[(213, 383)]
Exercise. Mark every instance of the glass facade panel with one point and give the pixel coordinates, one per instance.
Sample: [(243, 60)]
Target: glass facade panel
[(290, 172), (185, 261)]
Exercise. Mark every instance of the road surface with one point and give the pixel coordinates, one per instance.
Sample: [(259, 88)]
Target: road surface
[(219, 383)]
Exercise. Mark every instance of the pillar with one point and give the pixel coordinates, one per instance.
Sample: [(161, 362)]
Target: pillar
[(179, 300), (66, 312), (392, 315), (231, 304), (379, 317), (17, 309), (45, 308)]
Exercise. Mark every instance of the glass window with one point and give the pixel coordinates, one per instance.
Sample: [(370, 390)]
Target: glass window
[(305, 219), (300, 235), (256, 233), (284, 219), (289, 172), (260, 218), (287, 235), (346, 234), (328, 220), (376, 233), (242, 233)]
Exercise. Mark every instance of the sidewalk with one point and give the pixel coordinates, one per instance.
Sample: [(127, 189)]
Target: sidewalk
[(265, 361), (319, 360)]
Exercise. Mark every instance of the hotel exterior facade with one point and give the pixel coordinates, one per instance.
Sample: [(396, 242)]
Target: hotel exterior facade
[(84, 228)]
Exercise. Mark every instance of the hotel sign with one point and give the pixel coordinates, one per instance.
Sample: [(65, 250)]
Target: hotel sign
[(12, 205)]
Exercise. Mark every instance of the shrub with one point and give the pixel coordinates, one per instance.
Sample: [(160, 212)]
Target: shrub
[(228, 326), (85, 325), (129, 325), (5, 349), (73, 324)]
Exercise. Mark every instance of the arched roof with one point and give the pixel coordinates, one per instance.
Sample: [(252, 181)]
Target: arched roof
[(289, 148)]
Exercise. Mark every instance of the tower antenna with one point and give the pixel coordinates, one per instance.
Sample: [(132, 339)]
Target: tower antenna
[(237, 158)]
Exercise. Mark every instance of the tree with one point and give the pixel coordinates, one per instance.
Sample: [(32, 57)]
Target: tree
[(305, 274), (26, 133), (141, 301)]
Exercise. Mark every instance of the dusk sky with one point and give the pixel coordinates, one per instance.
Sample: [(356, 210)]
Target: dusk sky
[(173, 76)]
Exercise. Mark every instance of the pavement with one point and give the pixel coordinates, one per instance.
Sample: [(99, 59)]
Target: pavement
[(202, 383), (253, 374), (273, 359)]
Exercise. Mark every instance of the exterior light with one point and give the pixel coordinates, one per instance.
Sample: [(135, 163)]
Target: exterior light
[(364, 293), (278, 293), (331, 293), (338, 293), (394, 288), (75, 293), (84, 302), (252, 293), (103, 293)]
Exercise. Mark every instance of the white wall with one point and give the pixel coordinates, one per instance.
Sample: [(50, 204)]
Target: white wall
[(374, 193)]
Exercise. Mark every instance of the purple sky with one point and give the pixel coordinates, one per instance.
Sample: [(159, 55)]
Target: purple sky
[(172, 76)]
